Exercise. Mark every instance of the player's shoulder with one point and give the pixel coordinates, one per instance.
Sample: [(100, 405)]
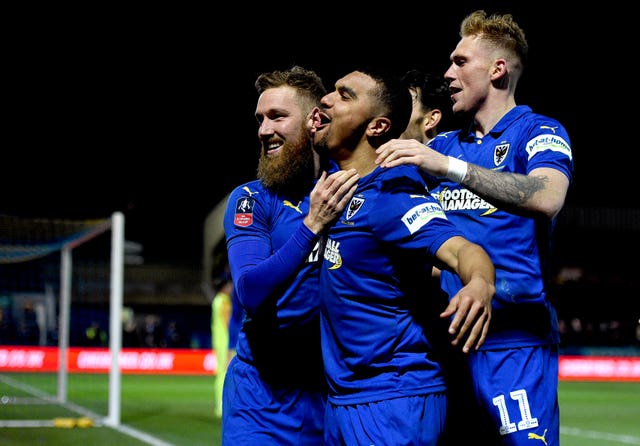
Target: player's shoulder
[(251, 195), (443, 138), (246, 204), (402, 178), (403, 171), (251, 189), (539, 123)]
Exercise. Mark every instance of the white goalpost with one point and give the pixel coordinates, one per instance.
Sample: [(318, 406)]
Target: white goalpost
[(19, 245), (115, 318)]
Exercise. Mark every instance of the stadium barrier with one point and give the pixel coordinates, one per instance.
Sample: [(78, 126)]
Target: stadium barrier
[(204, 362), (98, 360)]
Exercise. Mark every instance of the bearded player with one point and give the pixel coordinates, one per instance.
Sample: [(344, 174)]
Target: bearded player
[(274, 390)]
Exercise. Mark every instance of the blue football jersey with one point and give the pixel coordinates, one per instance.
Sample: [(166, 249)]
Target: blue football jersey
[(280, 296), (380, 324), (274, 390)]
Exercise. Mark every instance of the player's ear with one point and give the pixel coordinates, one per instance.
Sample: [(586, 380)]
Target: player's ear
[(312, 120), (378, 126), (499, 71), (433, 119)]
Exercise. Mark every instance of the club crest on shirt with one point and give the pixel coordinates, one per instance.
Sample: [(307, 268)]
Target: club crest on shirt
[(354, 206), (500, 153), (244, 211)]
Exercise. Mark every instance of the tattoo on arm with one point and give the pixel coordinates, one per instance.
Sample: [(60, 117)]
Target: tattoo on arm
[(502, 189)]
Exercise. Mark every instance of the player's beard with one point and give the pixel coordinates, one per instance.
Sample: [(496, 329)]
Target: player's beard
[(292, 171)]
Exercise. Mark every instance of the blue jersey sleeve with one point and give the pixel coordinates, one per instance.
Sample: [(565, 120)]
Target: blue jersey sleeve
[(256, 269), (548, 145), (412, 219)]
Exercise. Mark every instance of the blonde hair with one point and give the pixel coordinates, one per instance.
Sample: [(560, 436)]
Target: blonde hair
[(500, 30)]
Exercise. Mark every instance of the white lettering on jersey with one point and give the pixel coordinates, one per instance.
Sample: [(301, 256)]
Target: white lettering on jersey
[(422, 214)]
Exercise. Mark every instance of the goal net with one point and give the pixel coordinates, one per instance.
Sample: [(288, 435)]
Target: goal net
[(55, 277)]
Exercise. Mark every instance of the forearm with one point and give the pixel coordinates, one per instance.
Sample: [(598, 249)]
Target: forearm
[(502, 188), (471, 305), (258, 274), (541, 192), (474, 264)]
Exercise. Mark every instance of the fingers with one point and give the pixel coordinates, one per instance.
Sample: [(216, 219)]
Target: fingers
[(346, 197), (343, 175), (398, 151), (451, 309), (350, 181), (470, 323), (347, 189), (462, 333), (330, 184), (321, 180), (339, 183), (477, 335), (332, 193), (329, 197), (387, 152)]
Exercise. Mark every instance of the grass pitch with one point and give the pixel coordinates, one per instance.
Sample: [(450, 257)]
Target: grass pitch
[(167, 410)]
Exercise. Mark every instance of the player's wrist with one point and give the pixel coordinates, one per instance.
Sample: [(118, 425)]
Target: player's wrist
[(314, 227), (457, 170)]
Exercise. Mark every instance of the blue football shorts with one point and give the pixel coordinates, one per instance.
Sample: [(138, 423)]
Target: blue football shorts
[(518, 389), (411, 420), (255, 413)]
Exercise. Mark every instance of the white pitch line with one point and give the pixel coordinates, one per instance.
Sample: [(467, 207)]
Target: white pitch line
[(98, 420), (594, 435)]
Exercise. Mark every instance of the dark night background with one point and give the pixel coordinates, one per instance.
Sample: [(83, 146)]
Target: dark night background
[(150, 111)]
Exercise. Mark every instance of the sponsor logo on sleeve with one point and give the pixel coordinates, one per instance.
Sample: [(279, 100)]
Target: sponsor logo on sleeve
[(542, 143), (418, 216)]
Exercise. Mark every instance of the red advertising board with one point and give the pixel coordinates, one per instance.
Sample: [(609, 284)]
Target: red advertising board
[(599, 368), (201, 361), (98, 360)]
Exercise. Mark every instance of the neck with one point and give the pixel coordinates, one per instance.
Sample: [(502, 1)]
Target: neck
[(489, 115), (362, 158)]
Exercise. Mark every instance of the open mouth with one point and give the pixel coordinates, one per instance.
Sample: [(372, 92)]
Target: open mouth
[(272, 147), (453, 91)]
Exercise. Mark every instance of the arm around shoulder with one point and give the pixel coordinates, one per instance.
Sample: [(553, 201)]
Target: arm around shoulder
[(542, 191)]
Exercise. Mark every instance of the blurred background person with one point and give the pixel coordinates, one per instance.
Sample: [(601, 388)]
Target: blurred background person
[(221, 310)]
